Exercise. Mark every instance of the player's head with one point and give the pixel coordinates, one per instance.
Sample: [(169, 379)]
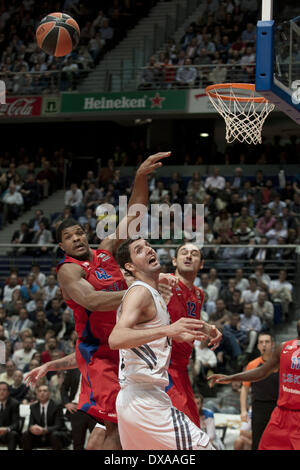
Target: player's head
[(265, 343), (136, 256), (188, 259), (72, 239)]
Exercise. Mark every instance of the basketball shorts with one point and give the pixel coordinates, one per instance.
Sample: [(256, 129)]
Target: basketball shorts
[(282, 431), (181, 393), (148, 421), (99, 384)]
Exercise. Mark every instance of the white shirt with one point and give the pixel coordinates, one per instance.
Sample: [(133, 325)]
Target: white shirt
[(249, 296), (21, 357), (215, 182), (211, 291), (13, 198), (147, 364), (73, 198), (277, 285), (205, 355), (8, 292)]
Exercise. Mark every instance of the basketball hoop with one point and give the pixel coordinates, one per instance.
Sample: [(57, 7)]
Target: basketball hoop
[(243, 110)]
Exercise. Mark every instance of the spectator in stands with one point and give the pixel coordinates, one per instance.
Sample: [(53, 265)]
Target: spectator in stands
[(186, 75), (7, 376), (281, 291), (29, 288), (244, 217), (41, 325), (30, 191), (73, 198), (265, 223), (158, 193), (19, 324), (251, 295), (227, 291), (12, 204), (207, 423), (88, 218), (107, 32), (42, 238), (95, 46), (64, 328), (46, 180), (251, 324), (210, 289), (21, 236), (277, 205), (214, 183), (204, 364), (51, 288), (295, 208), (276, 232), (39, 276), (46, 424), (233, 340), (249, 34), (34, 223), (263, 279), (246, 235), (9, 289), (264, 309), (223, 223), (9, 418), (236, 305), (54, 315), (51, 345), (24, 355), (70, 75), (18, 390)]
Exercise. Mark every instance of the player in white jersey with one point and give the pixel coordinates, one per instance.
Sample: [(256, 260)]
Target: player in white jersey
[(143, 334)]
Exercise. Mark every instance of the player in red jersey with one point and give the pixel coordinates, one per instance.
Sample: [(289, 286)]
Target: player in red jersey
[(283, 429), (92, 286), (186, 301)]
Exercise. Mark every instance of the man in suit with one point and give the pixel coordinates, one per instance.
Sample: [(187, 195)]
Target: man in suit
[(46, 424), (22, 236), (80, 422), (9, 418)]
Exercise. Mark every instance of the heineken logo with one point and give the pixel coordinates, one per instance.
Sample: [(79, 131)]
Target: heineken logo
[(123, 102), (118, 103), (155, 100)]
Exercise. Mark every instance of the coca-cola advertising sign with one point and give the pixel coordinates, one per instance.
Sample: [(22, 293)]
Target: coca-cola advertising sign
[(22, 106)]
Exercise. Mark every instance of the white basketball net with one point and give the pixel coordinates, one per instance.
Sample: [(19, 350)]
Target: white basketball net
[(244, 119)]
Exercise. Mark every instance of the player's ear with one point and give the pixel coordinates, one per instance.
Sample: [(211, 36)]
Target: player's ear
[(201, 264), (174, 262), (129, 267), (61, 246)]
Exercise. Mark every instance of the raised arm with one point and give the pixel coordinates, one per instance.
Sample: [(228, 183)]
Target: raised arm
[(75, 287), (139, 195), (254, 375), (138, 307)]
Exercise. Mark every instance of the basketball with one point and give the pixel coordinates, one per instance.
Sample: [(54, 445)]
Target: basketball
[(57, 34)]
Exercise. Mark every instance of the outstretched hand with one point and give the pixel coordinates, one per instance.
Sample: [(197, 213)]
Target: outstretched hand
[(218, 379), (34, 375), (151, 163)]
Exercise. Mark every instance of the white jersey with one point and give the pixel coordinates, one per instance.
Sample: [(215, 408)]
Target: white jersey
[(147, 363)]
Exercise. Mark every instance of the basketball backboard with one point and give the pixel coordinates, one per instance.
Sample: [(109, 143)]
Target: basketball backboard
[(278, 55)]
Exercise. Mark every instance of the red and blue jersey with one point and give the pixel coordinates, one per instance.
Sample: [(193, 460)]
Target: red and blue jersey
[(185, 302), (97, 362)]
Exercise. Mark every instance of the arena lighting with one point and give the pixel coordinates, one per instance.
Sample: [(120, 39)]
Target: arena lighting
[(142, 121), (204, 134)]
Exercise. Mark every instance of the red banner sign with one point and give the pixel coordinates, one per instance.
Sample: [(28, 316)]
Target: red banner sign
[(23, 106)]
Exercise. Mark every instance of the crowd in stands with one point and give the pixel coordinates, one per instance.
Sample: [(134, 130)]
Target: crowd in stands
[(37, 326), (217, 47), (102, 26)]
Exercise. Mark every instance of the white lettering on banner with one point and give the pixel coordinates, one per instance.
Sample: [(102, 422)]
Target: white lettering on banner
[(21, 107), (118, 103)]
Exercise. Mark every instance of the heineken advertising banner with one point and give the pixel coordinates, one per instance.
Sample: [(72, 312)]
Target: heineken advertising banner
[(137, 101)]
